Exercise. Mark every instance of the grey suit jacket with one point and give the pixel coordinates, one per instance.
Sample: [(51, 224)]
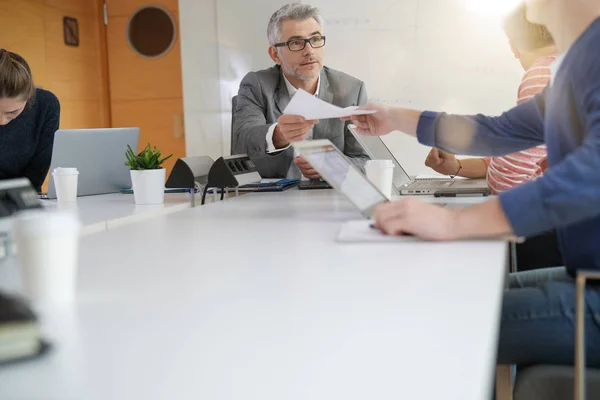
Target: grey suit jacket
[(261, 100)]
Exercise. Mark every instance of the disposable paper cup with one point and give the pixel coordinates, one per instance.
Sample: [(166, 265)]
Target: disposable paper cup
[(48, 252), (65, 183), (381, 173)]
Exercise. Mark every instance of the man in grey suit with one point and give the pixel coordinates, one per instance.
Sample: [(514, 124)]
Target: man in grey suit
[(259, 128)]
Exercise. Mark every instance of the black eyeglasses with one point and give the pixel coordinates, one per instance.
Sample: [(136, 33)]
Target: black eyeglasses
[(299, 44)]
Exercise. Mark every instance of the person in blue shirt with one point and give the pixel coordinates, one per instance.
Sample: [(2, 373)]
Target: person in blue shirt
[(537, 321)]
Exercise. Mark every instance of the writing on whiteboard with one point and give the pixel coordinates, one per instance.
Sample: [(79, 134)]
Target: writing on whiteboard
[(390, 101), (354, 22), (361, 24)]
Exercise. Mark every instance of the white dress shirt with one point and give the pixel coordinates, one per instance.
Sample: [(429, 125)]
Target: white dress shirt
[(293, 171)]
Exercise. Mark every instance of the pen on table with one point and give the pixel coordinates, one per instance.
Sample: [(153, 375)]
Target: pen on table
[(373, 226)]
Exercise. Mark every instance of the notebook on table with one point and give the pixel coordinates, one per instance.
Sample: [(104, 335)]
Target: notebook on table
[(270, 185), (20, 337)]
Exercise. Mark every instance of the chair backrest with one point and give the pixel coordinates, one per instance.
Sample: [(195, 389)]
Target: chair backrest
[(233, 105)]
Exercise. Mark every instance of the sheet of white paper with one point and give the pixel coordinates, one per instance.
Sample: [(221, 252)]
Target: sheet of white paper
[(311, 107), (361, 231)]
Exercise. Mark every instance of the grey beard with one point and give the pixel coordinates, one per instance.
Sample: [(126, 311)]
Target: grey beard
[(307, 77)]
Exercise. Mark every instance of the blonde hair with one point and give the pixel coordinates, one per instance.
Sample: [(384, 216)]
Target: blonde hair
[(15, 76), (524, 34)]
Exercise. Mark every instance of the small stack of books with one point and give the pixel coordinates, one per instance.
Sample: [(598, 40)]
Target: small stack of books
[(20, 336)]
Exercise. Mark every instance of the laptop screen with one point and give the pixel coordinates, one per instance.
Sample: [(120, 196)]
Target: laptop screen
[(340, 173), (375, 148), (98, 154)]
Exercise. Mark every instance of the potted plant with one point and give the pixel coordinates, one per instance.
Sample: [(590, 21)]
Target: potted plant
[(147, 175)]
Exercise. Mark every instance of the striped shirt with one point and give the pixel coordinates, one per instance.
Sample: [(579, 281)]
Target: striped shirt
[(511, 170)]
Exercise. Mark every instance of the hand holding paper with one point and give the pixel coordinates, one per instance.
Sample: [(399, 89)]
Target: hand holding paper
[(291, 128), (311, 107)]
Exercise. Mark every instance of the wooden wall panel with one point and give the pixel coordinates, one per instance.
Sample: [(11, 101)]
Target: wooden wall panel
[(126, 8), (81, 114), (22, 31), (158, 121), (77, 77), (159, 78), (79, 7), (75, 70)]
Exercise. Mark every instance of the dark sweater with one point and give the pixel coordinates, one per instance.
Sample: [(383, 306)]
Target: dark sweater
[(567, 118), (26, 141)]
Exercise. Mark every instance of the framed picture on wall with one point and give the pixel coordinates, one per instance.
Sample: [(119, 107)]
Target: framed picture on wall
[(71, 31)]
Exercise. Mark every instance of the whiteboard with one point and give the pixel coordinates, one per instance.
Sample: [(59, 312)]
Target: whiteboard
[(424, 54)]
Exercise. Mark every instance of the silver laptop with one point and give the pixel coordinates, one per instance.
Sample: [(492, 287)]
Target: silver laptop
[(98, 154), (403, 184)]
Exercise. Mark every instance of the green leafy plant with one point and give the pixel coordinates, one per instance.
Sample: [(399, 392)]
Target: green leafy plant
[(148, 158)]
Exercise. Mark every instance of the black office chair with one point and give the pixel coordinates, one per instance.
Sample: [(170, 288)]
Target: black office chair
[(541, 251), (233, 106)]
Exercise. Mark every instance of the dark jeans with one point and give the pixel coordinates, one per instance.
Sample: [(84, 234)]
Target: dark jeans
[(538, 319), (539, 252)]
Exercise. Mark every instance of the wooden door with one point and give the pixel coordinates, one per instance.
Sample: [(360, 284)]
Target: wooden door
[(145, 86)]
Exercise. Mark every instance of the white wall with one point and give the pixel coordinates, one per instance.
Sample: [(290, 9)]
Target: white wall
[(447, 55), (201, 78), (242, 47)]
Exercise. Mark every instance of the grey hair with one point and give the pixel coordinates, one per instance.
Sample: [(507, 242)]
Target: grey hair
[(294, 11)]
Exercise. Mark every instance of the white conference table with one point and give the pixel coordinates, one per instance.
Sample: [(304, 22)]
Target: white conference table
[(102, 212), (252, 298)]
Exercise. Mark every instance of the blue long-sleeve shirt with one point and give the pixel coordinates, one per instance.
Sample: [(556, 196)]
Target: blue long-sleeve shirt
[(566, 117)]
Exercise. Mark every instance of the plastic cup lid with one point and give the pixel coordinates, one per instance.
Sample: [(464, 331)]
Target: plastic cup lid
[(380, 163), (65, 171), (41, 223)]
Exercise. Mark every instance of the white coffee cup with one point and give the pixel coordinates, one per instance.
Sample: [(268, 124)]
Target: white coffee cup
[(48, 252), (381, 174), (65, 183)]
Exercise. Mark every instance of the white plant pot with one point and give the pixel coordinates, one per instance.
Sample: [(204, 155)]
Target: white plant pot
[(148, 186)]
